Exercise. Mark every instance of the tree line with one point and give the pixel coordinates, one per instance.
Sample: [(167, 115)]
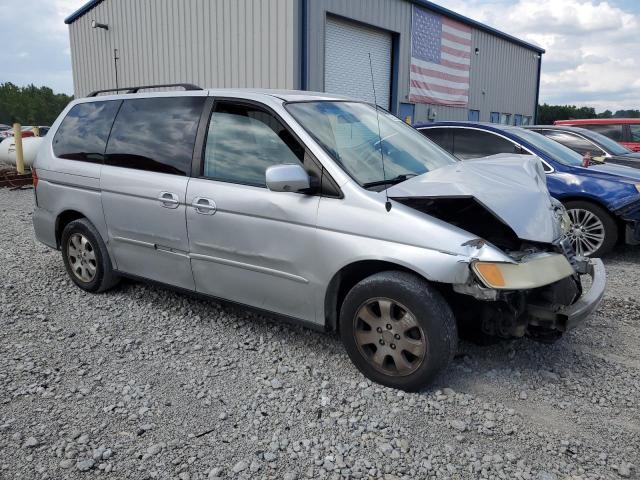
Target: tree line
[(33, 105), (30, 105), (547, 114)]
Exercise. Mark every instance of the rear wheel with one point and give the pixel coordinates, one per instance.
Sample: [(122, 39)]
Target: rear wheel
[(86, 258), (593, 232), (398, 330)]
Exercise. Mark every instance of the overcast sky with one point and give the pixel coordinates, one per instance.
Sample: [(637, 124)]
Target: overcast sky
[(593, 47)]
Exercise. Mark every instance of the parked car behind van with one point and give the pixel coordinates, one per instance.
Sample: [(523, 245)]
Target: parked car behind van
[(584, 141), (603, 201), (314, 208), (625, 131)]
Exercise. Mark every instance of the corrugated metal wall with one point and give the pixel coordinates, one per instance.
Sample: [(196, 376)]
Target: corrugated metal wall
[(391, 15), (212, 43), (503, 78), (256, 43), (504, 71)]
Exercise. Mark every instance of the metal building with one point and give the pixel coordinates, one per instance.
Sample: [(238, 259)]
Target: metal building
[(338, 46)]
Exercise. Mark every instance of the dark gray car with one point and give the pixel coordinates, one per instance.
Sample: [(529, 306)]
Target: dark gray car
[(584, 141)]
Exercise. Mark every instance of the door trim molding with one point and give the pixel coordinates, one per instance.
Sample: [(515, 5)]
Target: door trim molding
[(248, 266)]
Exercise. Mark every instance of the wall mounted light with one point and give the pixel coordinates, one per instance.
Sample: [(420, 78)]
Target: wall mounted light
[(95, 24)]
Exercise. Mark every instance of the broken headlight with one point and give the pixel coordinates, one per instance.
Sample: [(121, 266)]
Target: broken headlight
[(537, 271)]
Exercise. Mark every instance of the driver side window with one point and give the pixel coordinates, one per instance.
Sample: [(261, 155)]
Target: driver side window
[(243, 141), (575, 143), (468, 143)]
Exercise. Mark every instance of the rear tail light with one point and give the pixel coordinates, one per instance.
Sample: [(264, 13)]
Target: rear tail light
[(34, 176)]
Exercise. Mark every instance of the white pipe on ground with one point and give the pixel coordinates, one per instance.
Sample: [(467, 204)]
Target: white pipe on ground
[(30, 147)]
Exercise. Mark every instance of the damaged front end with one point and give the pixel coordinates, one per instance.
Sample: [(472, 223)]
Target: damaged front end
[(536, 288)]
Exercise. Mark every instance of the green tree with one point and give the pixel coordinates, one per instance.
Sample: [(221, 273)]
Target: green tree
[(627, 114), (547, 114), (30, 105)]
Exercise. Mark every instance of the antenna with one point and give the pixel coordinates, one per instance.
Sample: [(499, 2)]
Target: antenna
[(387, 204)]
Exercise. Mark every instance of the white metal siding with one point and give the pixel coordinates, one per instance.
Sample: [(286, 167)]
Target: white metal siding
[(347, 70), (212, 43), (504, 71), (255, 43)]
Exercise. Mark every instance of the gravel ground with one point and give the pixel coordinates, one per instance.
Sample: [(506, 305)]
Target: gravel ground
[(144, 383)]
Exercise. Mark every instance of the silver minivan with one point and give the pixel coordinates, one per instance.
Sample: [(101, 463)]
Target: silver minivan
[(315, 208)]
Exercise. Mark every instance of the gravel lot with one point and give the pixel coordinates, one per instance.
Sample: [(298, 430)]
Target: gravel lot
[(144, 383)]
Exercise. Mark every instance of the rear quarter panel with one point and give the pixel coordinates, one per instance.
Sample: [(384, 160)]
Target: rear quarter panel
[(65, 185)]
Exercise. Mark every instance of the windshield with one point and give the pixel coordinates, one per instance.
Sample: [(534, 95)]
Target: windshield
[(611, 146), (348, 131), (553, 149)]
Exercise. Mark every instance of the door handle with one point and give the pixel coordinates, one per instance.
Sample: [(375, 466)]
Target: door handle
[(204, 206), (169, 200)]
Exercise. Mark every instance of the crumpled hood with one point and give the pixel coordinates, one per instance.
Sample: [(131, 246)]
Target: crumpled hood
[(512, 187)]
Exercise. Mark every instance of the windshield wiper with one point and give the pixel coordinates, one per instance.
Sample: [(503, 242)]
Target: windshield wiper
[(390, 181)]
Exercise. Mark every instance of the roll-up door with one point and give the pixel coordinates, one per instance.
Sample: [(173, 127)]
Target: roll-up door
[(347, 72)]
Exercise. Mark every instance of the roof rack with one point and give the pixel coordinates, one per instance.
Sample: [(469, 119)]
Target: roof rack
[(186, 86)]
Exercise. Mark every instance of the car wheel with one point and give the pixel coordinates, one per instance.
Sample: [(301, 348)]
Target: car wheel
[(398, 330), (593, 231), (86, 258)]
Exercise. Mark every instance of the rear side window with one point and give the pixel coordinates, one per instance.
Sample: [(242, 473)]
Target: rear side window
[(155, 134), (440, 136), (476, 143), (635, 132), (574, 142), (83, 133), (614, 132)]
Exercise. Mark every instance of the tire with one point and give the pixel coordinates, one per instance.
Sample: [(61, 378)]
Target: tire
[(86, 258), (596, 220), (371, 344)]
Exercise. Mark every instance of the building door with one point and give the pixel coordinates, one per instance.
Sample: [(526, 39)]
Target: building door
[(407, 113), (346, 66), (474, 115)]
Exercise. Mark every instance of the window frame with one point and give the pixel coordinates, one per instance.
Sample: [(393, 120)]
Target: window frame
[(188, 164), (577, 135), (106, 142), (197, 167), (507, 117), (488, 132), (443, 129), (590, 126), (629, 132), (547, 167)]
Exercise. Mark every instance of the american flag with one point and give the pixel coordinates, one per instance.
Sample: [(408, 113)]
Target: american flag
[(440, 59)]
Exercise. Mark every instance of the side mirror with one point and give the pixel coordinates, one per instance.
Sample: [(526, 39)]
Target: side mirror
[(288, 177)]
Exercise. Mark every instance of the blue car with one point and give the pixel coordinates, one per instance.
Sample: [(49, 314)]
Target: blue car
[(602, 200)]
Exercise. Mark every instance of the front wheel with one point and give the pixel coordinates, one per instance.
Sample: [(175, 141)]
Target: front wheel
[(593, 232), (398, 330)]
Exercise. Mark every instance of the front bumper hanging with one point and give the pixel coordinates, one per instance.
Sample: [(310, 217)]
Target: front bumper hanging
[(564, 318)]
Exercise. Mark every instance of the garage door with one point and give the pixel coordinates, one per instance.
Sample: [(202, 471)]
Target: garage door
[(346, 68)]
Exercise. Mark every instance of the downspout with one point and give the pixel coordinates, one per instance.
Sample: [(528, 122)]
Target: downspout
[(304, 81), (535, 110)]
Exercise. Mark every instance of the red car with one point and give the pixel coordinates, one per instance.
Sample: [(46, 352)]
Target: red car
[(625, 131), (27, 131)]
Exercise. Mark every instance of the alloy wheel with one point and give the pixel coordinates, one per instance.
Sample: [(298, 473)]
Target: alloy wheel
[(389, 336), (587, 231), (82, 257)]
